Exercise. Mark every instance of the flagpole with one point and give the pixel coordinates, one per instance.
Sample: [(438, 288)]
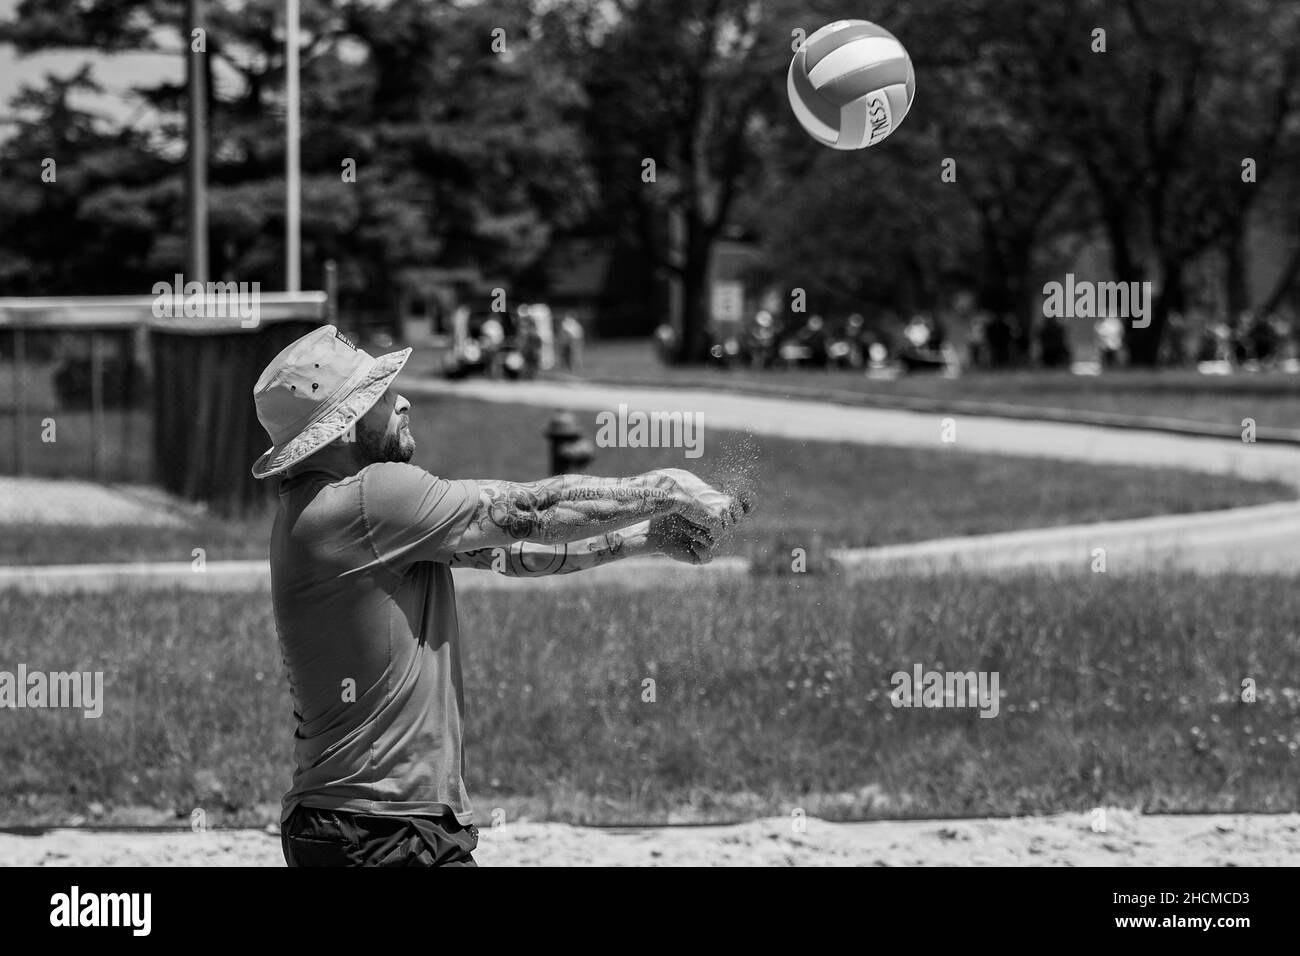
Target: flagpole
[(196, 167), (292, 239)]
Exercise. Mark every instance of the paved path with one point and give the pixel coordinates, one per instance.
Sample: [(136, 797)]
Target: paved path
[(826, 421)]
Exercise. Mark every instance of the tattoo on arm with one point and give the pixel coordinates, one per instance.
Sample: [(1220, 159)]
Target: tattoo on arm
[(526, 560), (563, 508)]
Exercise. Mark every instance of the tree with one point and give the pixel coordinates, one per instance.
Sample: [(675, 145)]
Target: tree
[(688, 86), (966, 194), (465, 150), (1161, 120), (70, 178)]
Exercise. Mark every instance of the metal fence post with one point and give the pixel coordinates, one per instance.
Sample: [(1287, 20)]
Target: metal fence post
[(331, 292), (20, 399), (96, 408)]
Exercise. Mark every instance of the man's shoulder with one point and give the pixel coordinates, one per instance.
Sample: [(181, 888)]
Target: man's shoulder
[(412, 515), (386, 481), (397, 473)]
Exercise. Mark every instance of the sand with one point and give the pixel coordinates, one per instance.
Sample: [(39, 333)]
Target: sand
[(1129, 839)]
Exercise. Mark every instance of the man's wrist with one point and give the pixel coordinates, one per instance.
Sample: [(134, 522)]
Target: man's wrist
[(636, 539)]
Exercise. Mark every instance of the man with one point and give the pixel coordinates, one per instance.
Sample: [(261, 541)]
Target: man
[(571, 338), (361, 556)]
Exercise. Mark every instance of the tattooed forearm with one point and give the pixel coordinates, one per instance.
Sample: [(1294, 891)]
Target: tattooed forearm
[(571, 506), (612, 549), (527, 560)]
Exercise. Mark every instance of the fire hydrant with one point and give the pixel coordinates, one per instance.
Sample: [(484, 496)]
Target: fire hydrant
[(570, 452)]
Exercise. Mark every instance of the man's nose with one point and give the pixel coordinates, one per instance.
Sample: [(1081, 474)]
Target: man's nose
[(401, 406)]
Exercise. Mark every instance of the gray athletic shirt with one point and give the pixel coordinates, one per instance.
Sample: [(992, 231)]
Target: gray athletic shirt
[(366, 613)]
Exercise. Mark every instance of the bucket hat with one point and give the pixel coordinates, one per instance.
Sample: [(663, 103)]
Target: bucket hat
[(314, 391)]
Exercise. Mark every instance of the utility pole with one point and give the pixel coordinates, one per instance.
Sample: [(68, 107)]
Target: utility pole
[(292, 239), (196, 178)]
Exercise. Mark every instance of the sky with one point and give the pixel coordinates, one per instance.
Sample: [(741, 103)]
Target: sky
[(117, 74)]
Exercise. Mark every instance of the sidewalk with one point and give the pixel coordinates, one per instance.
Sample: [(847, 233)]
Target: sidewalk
[(827, 421), (949, 406), (1260, 539)]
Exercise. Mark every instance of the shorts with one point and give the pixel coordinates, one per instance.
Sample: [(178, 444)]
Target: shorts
[(316, 837)]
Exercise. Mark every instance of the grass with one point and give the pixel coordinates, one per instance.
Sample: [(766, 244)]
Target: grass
[(769, 696), (839, 494), (221, 540), (125, 446), (1272, 399)]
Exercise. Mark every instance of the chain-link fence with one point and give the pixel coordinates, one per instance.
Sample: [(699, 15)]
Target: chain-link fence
[(100, 389)]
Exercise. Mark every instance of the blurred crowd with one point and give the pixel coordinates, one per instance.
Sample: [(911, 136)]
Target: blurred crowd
[(976, 339), (514, 345)]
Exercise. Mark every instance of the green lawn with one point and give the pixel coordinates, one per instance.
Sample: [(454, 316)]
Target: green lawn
[(1272, 399), (124, 447), (770, 695), (843, 494)]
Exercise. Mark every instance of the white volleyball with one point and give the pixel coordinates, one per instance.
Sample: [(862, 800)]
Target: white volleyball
[(850, 84)]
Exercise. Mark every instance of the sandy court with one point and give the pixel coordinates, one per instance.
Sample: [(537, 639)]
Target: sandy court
[(1060, 840)]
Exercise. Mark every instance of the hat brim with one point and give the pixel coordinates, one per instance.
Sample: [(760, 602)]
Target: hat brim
[(337, 420)]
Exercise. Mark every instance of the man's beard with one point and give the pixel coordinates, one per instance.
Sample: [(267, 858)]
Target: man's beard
[(396, 446)]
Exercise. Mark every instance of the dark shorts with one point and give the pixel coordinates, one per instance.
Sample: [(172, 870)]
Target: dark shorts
[(316, 837)]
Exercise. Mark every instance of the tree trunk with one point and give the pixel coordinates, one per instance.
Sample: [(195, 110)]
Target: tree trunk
[(1285, 284), (1144, 344), (1234, 278), (693, 346), (1004, 288)]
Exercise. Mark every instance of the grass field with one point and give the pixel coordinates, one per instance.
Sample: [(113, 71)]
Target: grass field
[(770, 696), (843, 494), (125, 444), (1272, 399)]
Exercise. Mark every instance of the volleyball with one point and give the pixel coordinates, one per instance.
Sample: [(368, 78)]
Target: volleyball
[(850, 84)]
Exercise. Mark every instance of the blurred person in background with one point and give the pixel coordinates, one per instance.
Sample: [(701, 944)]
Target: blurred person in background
[(1263, 340), (530, 346), (840, 344), (998, 336), (977, 340), (491, 337), (571, 340), (924, 350), (1109, 332), (1216, 343), (814, 338), (665, 342), (855, 330), (760, 340), (1053, 343), (1237, 341), (1173, 347)]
